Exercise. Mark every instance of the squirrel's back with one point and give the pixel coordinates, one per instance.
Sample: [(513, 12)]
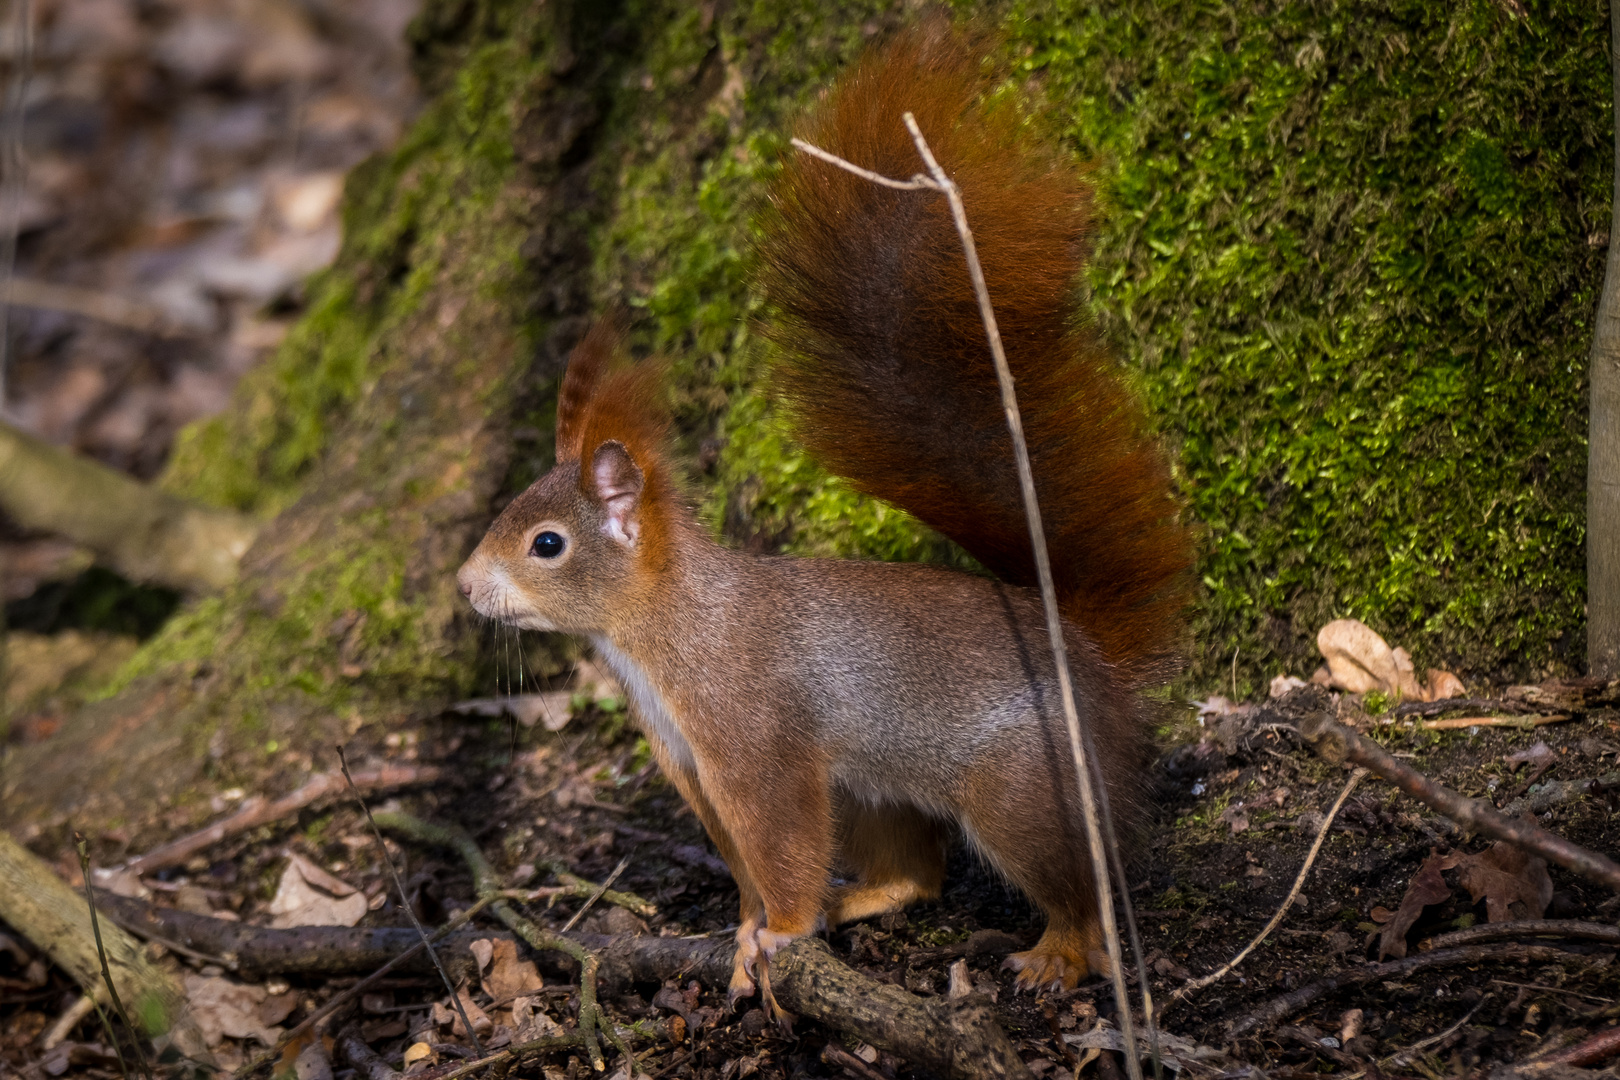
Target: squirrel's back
[(885, 366)]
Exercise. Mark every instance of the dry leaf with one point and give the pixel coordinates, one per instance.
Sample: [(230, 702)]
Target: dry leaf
[(1540, 755), (1359, 660), (1426, 887), (1406, 675), (1283, 685), (483, 951), (1443, 685), (1513, 883), (309, 896), (507, 975), (225, 1009), (1234, 818)]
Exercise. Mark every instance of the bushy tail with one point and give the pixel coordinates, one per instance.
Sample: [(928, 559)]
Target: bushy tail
[(886, 369)]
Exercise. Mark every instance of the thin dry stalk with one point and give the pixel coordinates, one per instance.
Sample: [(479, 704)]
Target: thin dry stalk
[(83, 849), (1192, 986), (405, 902), (938, 180), (596, 895), (1054, 620)]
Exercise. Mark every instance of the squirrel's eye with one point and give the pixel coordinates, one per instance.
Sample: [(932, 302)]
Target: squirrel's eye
[(548, 545)]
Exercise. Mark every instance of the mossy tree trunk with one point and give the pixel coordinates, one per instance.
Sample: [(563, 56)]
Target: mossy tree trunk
[(1603, 455)]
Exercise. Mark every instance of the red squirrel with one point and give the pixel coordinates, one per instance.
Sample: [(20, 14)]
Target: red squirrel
[(828, 716)]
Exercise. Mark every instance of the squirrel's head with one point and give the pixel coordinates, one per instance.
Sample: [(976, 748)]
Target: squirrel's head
[(577, 549)]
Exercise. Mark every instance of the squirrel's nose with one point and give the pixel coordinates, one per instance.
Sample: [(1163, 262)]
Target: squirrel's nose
[(466, 588)]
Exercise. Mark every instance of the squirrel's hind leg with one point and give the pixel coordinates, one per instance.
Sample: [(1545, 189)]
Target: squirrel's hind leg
[(1017, 813), (896, 852)]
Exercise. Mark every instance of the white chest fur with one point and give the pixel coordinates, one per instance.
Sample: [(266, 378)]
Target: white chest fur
[(651, 710)]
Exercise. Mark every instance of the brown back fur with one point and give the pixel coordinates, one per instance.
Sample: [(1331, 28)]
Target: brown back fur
[(887, 371)]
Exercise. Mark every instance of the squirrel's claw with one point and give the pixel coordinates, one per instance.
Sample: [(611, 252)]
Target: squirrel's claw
[(752, 970)]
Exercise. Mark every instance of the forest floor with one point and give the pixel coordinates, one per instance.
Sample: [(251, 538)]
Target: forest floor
[(1234, 812)]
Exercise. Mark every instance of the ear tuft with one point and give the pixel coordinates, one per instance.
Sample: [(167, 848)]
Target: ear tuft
[(618, 482)]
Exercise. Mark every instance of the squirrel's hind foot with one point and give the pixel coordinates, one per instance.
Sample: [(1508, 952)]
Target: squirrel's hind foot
[(1062, 959), (855, 902)]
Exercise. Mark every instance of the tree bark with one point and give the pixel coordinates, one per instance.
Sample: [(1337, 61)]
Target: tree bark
[(1603, 454)]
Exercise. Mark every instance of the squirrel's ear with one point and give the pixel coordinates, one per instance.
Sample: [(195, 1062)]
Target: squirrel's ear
[(618, 482)]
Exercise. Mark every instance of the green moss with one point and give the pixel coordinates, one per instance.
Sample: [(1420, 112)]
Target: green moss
[(1347, 251)]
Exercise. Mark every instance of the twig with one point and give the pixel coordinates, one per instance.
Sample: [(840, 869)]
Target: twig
[(1335, 743), (916, 183), (257, 811), (1192, 986), (1453, 723), (83, 848), (70, 1019), (1054, 621), (836, 1056), (1435, 708), (1401, 1057), (405, 903), (1563, 928), (352, 1048), (1280, 1007), (591, 1017), (1554, 990), (579, 886), (596, 895)]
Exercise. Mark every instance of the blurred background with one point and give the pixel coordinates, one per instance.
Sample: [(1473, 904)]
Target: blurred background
[(170, 172)]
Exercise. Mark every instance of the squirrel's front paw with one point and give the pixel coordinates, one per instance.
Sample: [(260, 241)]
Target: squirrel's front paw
[(745, 964), (756, 946)]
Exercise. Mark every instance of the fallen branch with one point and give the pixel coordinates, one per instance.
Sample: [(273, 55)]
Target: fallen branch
[(259, 951), (1589, 1051), (1281, 1008), (956, 1039), (42, 908), (367, 1064), (1192, 986), (1456, 723), (92, 304), (1569, 929), (142, 532), (257, 811), (1337, 744)]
